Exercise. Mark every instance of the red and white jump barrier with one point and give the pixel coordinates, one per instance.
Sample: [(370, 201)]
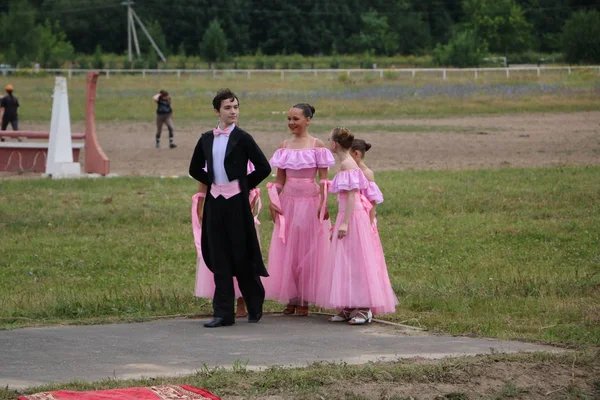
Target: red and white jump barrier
[(59, 156)]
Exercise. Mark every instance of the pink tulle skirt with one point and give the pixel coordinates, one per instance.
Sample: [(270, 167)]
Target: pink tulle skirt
[(300, 249), (355, 275)]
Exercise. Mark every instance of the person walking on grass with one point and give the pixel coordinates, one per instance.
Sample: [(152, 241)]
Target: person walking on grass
[(353, 281), (164, 115), (230, 246), (8, 110)]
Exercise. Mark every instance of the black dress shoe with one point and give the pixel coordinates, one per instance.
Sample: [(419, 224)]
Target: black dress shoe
[(254, 317), (217, 322)]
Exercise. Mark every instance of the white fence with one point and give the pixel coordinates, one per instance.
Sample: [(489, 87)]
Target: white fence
[(442, 73)]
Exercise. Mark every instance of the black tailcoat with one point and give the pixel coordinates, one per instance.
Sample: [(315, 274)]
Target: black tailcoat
[(241, 147)]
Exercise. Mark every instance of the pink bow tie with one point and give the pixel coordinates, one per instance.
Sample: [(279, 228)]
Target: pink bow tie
[(218, 132)]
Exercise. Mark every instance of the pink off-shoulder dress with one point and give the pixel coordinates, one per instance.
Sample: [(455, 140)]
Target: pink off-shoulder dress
[(205, 282), (300, 241), (354, 276)]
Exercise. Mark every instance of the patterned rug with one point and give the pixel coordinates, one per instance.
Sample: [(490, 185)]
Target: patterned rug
[(168, 392)]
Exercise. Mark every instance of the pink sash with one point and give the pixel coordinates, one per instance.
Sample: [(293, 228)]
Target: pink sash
[(227, 190), (274, 197)]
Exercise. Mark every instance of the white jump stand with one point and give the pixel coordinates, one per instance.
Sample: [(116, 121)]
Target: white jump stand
[(60, 150)]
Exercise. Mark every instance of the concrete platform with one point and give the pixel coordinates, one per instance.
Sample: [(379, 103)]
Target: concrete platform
[(171, 347)]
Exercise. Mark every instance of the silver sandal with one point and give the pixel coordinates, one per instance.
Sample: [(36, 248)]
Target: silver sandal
[(361, 317)]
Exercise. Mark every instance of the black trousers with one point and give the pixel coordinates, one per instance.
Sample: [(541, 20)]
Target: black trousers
[(227, 229), (14, 122)]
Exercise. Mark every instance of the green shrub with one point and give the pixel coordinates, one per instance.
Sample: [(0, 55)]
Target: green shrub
[(98, 62), (390, 75), (370, 78), (463, 50), (139, 63)]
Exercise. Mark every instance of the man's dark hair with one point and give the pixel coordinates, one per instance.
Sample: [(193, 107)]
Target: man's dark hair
[(223, 94)]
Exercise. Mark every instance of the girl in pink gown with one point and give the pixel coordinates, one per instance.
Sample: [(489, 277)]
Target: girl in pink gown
[(205, 284), (300, 240), (354, 280)]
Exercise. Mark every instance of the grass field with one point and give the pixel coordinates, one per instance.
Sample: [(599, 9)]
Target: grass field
[(506, 253), (503, 253), (362, 95), (494, 377)]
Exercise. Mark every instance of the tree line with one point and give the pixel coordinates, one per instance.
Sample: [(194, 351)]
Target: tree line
[(456, 32)]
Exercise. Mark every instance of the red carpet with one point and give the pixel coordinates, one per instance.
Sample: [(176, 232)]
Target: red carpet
[(169, 392)]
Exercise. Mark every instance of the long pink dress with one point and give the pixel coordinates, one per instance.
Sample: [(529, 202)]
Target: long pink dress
[(300, 240), (205, 283), (354, 276)]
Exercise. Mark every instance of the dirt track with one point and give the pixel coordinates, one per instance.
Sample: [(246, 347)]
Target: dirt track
[(524, 140)]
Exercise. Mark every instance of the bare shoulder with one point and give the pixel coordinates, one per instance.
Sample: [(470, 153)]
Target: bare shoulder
[(369, 174), (348, 164), (319, 143), (282, 145)]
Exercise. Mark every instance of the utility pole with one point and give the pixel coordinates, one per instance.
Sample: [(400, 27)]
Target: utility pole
[(128, 4), (132, 33)]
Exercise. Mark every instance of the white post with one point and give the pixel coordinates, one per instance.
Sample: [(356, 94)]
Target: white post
[(282, 77), (444, 74), (214, 73), (59, 163), (248, 74), (569, 69), (107, 74), (316, 72), (129, 19), (538, 71), (381, 73), (414, 73), (178, 73), (476, 76), (507, 73), (70, 72), (143, 73), (348, 72)]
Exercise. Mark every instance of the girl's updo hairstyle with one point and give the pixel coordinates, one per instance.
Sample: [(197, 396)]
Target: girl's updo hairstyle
[(360, 145), (307, 110), (343, 137)]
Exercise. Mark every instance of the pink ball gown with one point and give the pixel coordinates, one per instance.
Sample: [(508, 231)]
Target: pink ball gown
[(205, 283), (300, 240), (355, 275)]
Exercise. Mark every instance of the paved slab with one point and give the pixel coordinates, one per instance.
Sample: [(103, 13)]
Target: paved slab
[(181, 346)]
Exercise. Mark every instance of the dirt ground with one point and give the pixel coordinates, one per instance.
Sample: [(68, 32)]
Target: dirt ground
[(522, 140), (481, 380)]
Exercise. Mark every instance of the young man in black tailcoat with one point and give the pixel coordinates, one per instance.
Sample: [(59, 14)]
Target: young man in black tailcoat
[(230, 246)]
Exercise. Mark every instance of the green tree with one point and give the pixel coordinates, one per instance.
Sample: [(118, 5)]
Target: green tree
[(375, 35), (214, 43), (463, 50), (98, 62), (547, 18), (19, 33), (581, 37), (155, 30), (89, 23), (181, 57), (53, 47), (501, 23)]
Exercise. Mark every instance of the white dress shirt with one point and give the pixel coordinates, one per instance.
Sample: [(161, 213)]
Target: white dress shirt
[(218, 153)]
